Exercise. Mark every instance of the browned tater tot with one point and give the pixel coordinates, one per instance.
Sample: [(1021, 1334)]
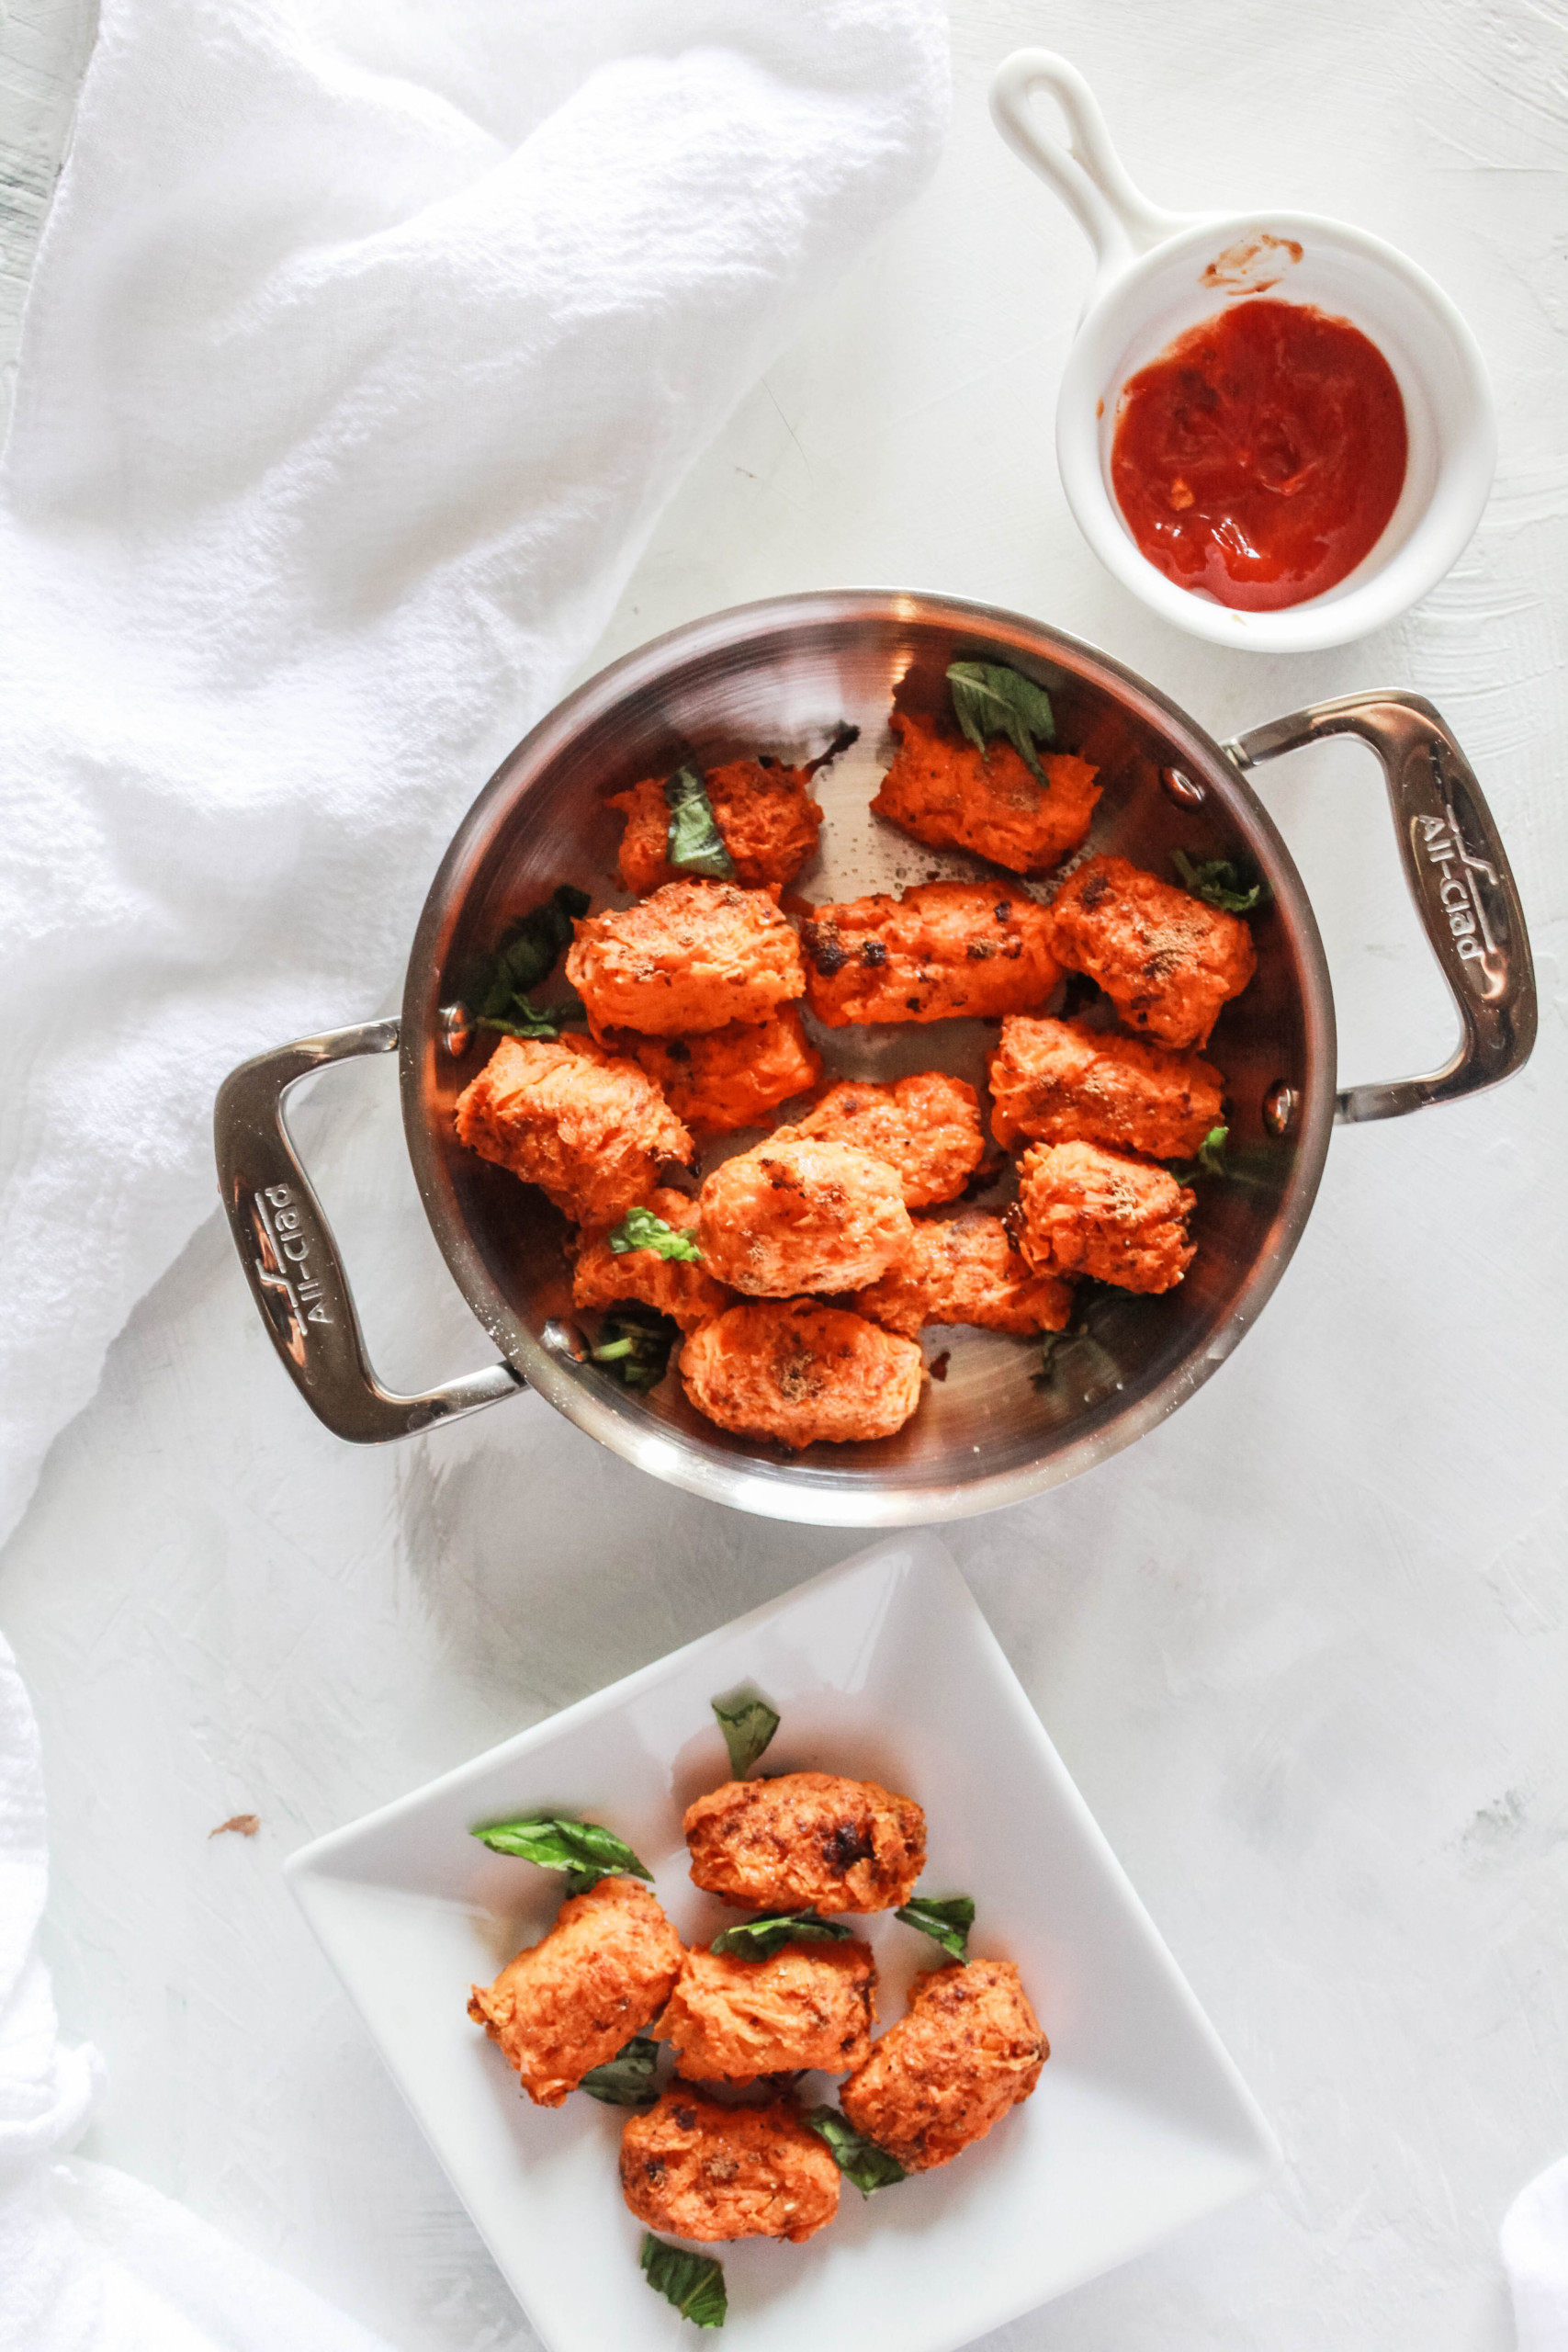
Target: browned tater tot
[(968, 2048), (1084, 1211), (1166, 961), (695, 955), (942, 950), (712, 2173), (794, 1214), (801, 1372), (1061, 1082), (807, 1839), (587, 1126), (945, 792), (675, 1286), (927, 1127), (810, 2005), (570, 2001), (966, 1270), (765, 814), (729, 1077)]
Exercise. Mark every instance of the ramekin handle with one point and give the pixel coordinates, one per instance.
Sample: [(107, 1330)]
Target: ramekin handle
[(1087, 173), (291, 1260)]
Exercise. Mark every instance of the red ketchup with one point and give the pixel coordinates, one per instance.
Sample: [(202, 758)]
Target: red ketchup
[(1260, 456)]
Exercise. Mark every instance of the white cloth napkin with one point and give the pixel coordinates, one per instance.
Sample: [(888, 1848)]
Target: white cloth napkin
[(1535, 2255), (89, 2260), (367, 341)]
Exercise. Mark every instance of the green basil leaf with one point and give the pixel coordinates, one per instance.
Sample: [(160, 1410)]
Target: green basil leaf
[(525, 952), (528, 1020), (636, 1343), (584, 1849), (640, 1229), (1211, 1151), (627, 2080), (530, 949), (1210, 1159), (989, 699), (858, 2158), (946, 1918), (748, 1724), (1219, 882), (760, 1938), (693, 2282), (695, 844)]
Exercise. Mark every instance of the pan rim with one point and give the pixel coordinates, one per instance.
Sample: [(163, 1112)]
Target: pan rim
[(796, 1490)]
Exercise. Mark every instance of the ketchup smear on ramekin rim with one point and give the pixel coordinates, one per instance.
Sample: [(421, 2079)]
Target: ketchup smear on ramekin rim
[(1259, 457)]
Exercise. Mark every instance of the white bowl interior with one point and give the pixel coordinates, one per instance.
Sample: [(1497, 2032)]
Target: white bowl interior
[(1349, 274)]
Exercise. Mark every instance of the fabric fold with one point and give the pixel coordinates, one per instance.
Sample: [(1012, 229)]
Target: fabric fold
[(363, 351)]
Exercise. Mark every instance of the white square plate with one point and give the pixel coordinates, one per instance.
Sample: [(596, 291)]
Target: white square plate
[(884, 1669)]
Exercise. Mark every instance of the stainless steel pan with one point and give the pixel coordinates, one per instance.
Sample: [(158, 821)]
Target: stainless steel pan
[(780, 676)]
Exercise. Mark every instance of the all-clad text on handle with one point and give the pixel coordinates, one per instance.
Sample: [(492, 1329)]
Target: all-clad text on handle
[(291, 1260), (1459, 877)]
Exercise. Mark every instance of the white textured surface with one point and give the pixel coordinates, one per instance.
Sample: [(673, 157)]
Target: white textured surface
[(1304, 1650)]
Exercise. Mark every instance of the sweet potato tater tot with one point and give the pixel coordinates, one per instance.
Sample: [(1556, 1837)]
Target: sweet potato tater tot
[(1084, 1211), (601, 1277), (810, 2005), (940, 789), (588, 1127), (732, 1076), (714, 2172), (767, 816), (804, 1375), (693, 956), (1059, 1081), (643, 864), (1166, 961), (765, 812), (570, 2001), (796, 1214), (806, 1838), (926, 1127), (968, 2048), (966, 1269), (942, 949)]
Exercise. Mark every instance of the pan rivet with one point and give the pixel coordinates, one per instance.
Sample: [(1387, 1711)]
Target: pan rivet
[(1279, 1108), (565, 1339), (456, 1029), (1181, 789)]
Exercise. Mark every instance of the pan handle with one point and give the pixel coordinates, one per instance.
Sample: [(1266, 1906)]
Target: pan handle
[(291, 1260), (1459, 877)]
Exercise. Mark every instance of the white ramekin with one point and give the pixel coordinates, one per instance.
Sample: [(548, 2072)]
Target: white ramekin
[(1159, 273)]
